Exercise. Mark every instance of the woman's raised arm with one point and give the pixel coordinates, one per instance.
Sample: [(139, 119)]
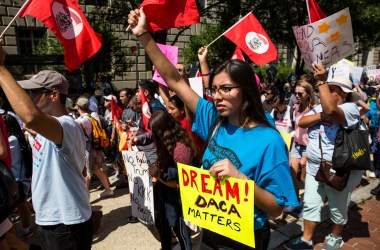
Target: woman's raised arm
[(138, 23)]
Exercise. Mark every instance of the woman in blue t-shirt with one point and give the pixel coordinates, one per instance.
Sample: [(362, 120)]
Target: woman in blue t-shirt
[(240, 141)]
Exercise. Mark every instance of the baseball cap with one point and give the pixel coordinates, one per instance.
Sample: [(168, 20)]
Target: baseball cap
[(48, 79), (83, 103), (344, 83), (109, 97), (93, 107)]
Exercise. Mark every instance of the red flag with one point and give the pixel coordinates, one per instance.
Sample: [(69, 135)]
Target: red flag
[(67, 21), (145, 110), (238, 54), (165, 14), (314, 11), (249, 36), (116, 113)]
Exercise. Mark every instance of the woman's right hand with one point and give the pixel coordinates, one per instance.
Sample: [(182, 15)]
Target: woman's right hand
[(202, 54), (320, 73), (138, 22)]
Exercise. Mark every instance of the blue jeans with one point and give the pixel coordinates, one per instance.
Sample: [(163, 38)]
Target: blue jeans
[(66, 237)]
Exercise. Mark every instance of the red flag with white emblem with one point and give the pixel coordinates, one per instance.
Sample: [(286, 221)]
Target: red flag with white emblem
[(249, 36), (67, 21), (145, 110)]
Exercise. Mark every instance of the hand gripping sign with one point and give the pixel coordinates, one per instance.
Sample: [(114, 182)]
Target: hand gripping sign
[(223, 206)]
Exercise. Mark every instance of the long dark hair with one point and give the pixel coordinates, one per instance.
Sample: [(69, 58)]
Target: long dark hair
[(244, 76), (167, 132)]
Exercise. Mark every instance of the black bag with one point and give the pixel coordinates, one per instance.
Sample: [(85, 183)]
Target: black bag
[(327, 174), (8, 191), (351, 150)]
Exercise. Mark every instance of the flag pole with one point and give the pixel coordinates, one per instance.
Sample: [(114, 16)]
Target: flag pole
[(14, 18), (228, 29), (215, 39)]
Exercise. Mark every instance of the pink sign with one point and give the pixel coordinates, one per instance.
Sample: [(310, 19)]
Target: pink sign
[(171, 53)]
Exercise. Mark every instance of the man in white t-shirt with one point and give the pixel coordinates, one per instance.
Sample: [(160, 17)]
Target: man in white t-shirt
[(60, 197)]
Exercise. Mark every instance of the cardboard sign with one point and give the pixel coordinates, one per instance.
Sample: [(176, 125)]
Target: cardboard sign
[(140, 185), (327, 40), (223, 206), (171, 53)]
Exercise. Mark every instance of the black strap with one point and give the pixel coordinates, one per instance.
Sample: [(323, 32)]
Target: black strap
[(320, 145)]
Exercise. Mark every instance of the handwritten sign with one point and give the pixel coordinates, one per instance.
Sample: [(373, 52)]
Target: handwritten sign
[(338, 70), (171, 53), (140, 185), (372, 73), (327, 40), (222, 206)]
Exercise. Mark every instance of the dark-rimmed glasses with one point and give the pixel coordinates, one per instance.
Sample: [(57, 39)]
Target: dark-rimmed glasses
[(223, 90)]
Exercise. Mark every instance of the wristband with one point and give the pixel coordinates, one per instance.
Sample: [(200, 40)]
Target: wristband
[(142, 34), (320, 83), (205, 74)]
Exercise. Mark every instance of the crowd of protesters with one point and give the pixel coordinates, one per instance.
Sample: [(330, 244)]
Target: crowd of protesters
[(47, 140)]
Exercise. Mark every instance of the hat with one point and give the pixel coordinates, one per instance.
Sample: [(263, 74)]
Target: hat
[(93, 107), (344, 83), (83, 103), (69, 103), (109, 97), (47, 79)]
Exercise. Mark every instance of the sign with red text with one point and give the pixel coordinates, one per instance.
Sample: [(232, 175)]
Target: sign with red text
[(327, 40), (223, 206), (171, 53), (140, 185)]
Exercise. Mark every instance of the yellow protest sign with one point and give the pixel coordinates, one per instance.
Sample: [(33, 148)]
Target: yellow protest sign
[(287, 138), (225, 207)]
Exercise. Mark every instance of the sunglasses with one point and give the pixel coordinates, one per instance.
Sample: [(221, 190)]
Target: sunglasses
[(298, 93)]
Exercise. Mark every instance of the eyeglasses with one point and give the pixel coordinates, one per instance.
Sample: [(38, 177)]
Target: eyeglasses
[(223, 91), (298, 93)]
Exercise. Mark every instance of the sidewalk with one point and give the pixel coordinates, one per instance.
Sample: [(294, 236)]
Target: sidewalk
[(362, 231)]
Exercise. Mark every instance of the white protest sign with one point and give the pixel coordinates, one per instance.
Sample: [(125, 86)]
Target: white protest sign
[(197, 85), (140, 185), (171, 53), (338, 70), (327, 40), (372, 73), (356, 74)]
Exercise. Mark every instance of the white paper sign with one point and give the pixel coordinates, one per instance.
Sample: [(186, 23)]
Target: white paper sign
[(338, 70), (372, 73), (327, 40), (140, 185), (356, 74), (197, 85)]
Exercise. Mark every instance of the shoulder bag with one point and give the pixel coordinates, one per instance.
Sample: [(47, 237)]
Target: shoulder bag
[(328, 175), (351, 150)]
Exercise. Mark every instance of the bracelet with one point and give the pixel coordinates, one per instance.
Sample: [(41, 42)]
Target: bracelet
[(320, 84), (142, 34), (205, 74)]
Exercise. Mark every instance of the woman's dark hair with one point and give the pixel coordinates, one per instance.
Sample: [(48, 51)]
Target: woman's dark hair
[(244, 76), (177, 101), (13, 128), (167, 132)]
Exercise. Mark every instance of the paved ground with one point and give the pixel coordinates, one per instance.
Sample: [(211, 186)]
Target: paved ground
[(362, 231)]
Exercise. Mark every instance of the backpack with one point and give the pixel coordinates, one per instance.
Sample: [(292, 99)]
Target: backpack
[(8, 191), (99, 138)]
